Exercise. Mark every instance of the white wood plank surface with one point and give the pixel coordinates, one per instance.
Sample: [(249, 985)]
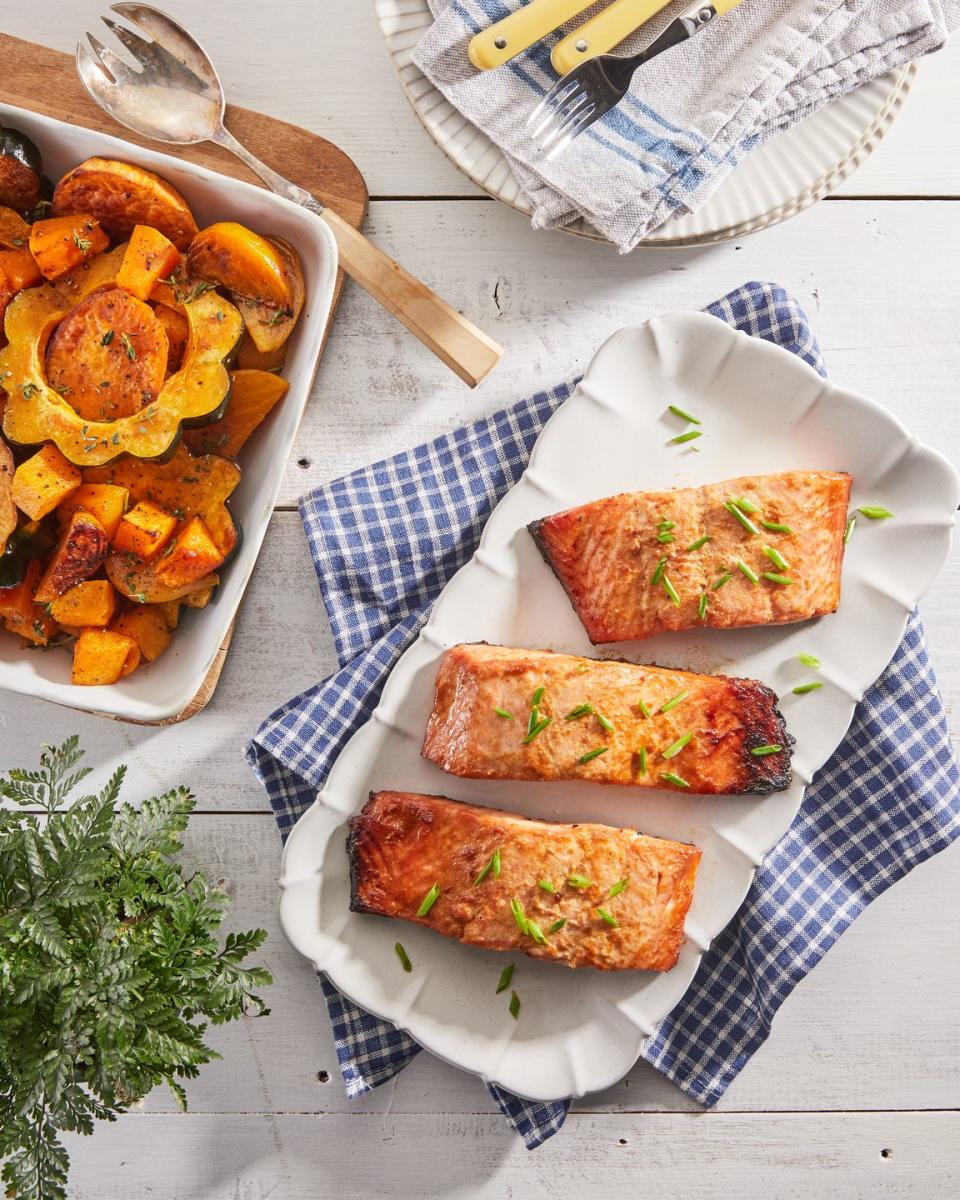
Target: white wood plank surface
[(851, 1097)]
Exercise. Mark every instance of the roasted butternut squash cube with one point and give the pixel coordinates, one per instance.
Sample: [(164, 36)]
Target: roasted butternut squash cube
[(200, 598), (150, 256), (61, 243), (43, 482), (148, 628), (253, 398), (106, 501), (193, 555), (145, 530), (170, 610), (101, 657), (92, 602), (20, 614), (80, 552), (18, 270)]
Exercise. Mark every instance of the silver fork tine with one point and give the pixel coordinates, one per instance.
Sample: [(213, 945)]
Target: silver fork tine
[(558, 111), (584, 121), (564, 87), (138, 47), (116, 68), (563, 121), (153, 55), (167, 35)]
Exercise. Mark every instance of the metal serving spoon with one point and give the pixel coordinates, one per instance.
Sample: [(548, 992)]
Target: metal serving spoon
[(176, 96)]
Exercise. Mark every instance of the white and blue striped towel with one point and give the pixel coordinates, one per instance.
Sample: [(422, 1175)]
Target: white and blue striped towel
[(692, 113), (385, 540)]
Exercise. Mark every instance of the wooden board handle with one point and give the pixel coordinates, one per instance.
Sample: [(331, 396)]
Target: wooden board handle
[(456, 341)]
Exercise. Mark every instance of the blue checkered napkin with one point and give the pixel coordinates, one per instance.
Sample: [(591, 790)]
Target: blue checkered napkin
[(385, 540)]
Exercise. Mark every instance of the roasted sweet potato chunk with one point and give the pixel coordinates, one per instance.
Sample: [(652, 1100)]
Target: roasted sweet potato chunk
[(254, 395), (21, 614), (14, 230), (106, 501), (149, 256), (101, 656), (81, 550), (147, 627), (177, 330), (263, 275), (193, 555), (108, 356), (123, 196), (145, 530), (62, 243), (8, 508), (92, 602), (43, 481), (138, 581), (18, 270)]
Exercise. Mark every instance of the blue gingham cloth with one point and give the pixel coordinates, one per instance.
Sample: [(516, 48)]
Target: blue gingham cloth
[(692, 113), (385, 540)]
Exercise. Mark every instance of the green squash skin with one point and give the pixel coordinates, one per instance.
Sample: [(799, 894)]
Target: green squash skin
[(72, 442), (22, 547)]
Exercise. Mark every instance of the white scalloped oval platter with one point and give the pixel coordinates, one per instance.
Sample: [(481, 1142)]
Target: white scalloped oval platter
[(776, 181), (763, 410)]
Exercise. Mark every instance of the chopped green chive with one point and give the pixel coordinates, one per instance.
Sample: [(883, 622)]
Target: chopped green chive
[(610, 919), (724, 578), (747, 571), (502, 712), (641, 704), (851, 525), (674, 779), (514, 1005), (674, 701), (701, 541), (685, 416), (774, 577), (492, 868), (582, 710), (802, 688), (658, 572), (537, 730), (557, 925), (578, 881), (665, 537), (674, 749), (534, 718), (642, 760), (685, 437), (671, 591), (536, 932), (810, 660), (606, 723), (746, 505), (546, 886), (776, 527), (518, 914), (666, 525), (620, 886), (776, 558), (404, 957), (580, 669), (702, 605), (592, 754), (428, 901), (505, 976), (537, 696), (875, 512), (741, 517), (763, 751)]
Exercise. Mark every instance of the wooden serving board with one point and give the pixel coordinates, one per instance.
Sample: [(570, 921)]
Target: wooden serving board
[(45, 81)]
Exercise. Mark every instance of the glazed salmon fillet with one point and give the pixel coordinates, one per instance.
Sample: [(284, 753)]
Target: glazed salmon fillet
[(501, 713), (619, 900), (643, 562)]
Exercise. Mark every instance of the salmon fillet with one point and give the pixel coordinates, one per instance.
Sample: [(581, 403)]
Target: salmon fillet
[(481, 726), (402, 847), (608, 555)]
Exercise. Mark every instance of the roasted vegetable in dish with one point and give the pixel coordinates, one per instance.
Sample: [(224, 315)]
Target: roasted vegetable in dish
[(501, 713), (113, 347), (757, 550), (583, 895)]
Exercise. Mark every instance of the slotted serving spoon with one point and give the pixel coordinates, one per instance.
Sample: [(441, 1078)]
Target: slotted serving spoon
[(174, 95)]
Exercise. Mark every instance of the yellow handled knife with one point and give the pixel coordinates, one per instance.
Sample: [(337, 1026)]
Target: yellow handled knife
[(601, 33), (506, 39)]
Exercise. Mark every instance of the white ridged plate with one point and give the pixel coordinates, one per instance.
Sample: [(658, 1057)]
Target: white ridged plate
[(774, 182), (762, 408)]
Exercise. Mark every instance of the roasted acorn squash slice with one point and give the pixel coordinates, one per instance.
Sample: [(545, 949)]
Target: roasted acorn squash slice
[(196, 394)]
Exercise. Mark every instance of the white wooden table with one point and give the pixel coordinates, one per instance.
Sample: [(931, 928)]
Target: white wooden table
[(856, 1093)]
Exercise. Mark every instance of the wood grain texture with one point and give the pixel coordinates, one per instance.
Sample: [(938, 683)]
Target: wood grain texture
[(867, 1156)]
